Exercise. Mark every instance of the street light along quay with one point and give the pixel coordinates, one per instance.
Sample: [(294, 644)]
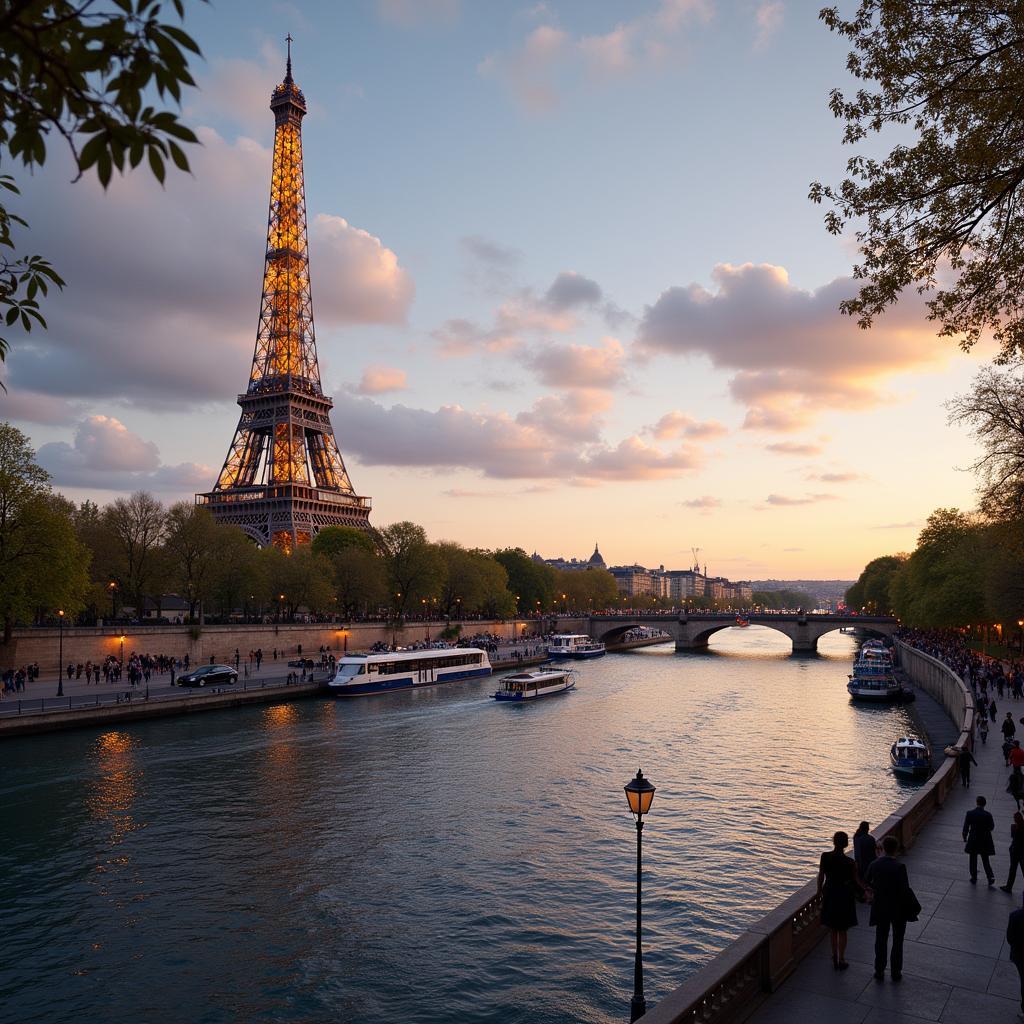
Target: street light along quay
[(60, 653), (639, 793)]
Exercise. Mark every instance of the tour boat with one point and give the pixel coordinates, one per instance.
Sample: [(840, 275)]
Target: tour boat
[(910, 756), (574, 645), (531, 685), (360, 674), (873, 677)]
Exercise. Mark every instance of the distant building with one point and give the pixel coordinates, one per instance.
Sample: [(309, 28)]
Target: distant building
[(171, 609), (595, 561)]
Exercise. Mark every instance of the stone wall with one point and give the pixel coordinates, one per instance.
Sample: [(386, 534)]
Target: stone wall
[(219, 642)]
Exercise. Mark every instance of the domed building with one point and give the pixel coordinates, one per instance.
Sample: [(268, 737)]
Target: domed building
[(596, 561)]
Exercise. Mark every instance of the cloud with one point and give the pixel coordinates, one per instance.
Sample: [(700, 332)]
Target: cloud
[(808, 499), (576, 415), (793, 448), (678, 424), (34, 407), (909, 525), (410, 13), (704, 504), (515, 320), (569, 290), (794, 355), (550, 61), (490, 252), (377, 380), (835, 478), (106, 455), (580, 366), (166, 317), (497, 445), (768, 19)]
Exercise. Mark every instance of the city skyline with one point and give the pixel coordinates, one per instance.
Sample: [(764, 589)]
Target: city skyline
[(533, 328)]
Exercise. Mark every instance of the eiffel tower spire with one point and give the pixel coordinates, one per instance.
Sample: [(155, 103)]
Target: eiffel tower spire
[(284, 477)]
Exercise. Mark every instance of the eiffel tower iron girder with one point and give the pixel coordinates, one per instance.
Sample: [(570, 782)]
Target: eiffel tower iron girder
[(284, 477)]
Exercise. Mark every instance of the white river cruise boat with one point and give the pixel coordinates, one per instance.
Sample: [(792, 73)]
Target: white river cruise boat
[(873, 678), (357, 675), (574, 645), (531, 685)]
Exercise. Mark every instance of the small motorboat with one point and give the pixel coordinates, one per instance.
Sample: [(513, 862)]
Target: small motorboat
[(531, 685), (910, 756), (742, 622)]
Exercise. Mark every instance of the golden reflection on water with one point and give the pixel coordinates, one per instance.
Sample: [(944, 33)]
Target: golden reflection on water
[(114, 786)]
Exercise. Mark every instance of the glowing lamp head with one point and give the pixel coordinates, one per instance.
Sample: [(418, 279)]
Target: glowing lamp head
[(639, 794), (61, 613)]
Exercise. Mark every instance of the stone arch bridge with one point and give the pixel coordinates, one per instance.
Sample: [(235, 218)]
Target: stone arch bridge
[(692, 631)]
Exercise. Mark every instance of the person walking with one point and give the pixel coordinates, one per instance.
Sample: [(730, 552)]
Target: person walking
[(887, 879), (983, 729), (837, 879), (964, 761), (865, 848), (977, 833), (1016, 851), (1015, 940), (1009, 729), (1015, 787)]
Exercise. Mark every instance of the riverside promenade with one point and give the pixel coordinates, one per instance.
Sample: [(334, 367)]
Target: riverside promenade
[(955, 969)]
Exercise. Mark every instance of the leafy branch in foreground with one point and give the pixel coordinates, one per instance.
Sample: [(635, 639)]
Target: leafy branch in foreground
[(81, 72), (943, 210)]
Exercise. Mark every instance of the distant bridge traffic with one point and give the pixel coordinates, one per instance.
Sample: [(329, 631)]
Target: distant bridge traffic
[(692, 630)]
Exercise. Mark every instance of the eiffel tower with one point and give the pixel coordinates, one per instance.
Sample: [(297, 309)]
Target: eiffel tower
[(284, 477)]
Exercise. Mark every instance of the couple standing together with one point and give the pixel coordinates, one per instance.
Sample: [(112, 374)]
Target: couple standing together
[(893, 902)]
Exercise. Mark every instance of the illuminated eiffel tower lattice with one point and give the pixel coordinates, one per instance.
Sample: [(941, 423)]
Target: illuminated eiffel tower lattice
[(284, 477)]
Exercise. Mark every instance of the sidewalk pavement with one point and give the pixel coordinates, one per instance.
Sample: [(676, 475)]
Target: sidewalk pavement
[(955, 956)]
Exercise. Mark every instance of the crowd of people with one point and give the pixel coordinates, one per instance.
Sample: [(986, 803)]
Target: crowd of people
[(874, 874)]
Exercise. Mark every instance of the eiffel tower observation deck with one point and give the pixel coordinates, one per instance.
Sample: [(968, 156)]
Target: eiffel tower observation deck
[(284, 477)]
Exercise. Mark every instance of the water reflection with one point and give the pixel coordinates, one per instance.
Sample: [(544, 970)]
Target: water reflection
[(114, 781)]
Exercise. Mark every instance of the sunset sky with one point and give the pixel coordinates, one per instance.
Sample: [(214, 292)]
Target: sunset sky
[(567, 283)]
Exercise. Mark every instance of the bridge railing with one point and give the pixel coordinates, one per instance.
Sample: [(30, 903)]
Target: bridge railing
[(729, 988)]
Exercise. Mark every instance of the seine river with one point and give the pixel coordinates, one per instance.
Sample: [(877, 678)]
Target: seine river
[(433, 856)]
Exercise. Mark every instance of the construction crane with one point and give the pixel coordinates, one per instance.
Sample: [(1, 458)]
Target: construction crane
[(696, 560)]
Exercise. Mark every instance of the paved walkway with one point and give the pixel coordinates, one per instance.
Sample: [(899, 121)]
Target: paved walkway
[(955, 958)]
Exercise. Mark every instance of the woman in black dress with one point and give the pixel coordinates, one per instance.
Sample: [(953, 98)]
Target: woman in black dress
[(838, 878)]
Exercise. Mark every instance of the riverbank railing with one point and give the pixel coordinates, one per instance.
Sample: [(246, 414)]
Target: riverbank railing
[(730, 987)]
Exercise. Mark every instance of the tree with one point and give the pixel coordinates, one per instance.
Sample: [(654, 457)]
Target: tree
[(994, 409), (86, 73), (304, 577), (942, 583), (944, 78), (192, 549), (359, 580), (332, 539), (531, 583), (42, 562), (872, 589), (137, 525), (414, 569), (240, 578), (587, 589)]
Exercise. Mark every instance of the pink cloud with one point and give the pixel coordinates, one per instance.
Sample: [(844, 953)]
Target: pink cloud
[(377, 380), (678, 424)]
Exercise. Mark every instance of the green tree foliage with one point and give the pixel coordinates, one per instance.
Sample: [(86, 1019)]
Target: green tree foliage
[(359, 579), (241, 578), (304, 577), (942, 211), (942, 583), (332, 539), (994, 410), (42, 562), (587, 590), (872, 589), (413, 566), (472, 582), (85, 73), (778, 599), (531, 583)]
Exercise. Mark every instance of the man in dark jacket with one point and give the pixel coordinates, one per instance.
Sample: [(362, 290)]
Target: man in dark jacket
[(978, 827), (887, 878), (1015, 940)]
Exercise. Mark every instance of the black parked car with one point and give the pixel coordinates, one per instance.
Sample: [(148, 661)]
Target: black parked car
[(209, 675), (302, 663)]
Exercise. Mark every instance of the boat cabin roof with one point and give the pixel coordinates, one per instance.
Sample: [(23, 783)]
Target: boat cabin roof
[(911, 741), (569, 636), (427, 652)]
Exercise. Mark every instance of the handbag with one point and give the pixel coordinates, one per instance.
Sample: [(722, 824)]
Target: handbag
[(911, 905)]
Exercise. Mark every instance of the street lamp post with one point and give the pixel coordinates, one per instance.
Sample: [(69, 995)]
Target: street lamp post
[(639, 793), (60, 653), (112, 587), (122, 651)]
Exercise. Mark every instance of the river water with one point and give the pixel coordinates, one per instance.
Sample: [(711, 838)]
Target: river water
[(431, 856)]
